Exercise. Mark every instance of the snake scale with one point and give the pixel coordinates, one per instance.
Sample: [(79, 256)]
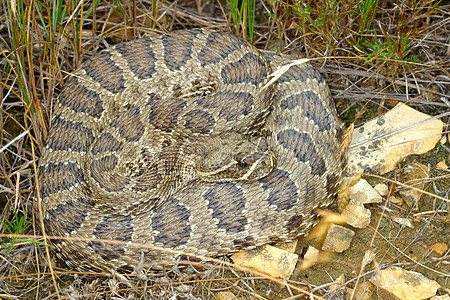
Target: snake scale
[(177, 141)]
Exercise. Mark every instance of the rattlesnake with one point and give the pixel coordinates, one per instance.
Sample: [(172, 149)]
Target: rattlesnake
[(178, 141)]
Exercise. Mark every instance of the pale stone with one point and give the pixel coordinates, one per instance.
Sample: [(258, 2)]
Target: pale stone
[(357, 215), (443, 297), (225, 296), (364, 193), (311, 253), (337, 282), (442, 165), (382, 189), (381, 143), (406, 285), (352, 180), (288, 246), (403, 221), (395, 200), (337, 289), (328, 217), (267, 259), (364, 291), (338, 239)]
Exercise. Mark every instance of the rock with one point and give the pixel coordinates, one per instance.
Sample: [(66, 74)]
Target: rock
[(338, 239), (337, 289), (352, 180), (344, 193), (311, 252), (289, 246), (357, 215), (381, 143), (364, 291), (381, 189), (320, 231), (414, 175), (184, 288), (337, 282), (441, 165), (443, 297), (396, 200), (439, 248), (403, 221), (364, 193), (267, 259), (225, 296), (405, 285)]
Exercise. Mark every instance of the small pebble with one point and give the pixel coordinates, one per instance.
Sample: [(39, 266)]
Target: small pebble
[(311, 252), (441, 165), (439, 248), (382, 189), (364, 193), (225, 296), (357, 215), (396, 200), (403, 221)]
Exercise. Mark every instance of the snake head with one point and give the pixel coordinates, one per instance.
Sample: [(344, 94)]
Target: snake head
[(235, 157)]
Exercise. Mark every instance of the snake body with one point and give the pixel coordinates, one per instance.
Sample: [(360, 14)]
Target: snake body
[(176, 142)]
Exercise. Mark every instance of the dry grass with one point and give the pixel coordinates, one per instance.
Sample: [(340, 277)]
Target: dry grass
[(372, 58)]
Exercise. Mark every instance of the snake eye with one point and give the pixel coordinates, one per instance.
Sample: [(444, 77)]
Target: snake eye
[(242, 164)]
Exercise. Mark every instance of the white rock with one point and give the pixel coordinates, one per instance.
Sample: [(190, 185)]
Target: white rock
[(357, 215), (382, 189), (405, 285), (381, 143), (364, 193)]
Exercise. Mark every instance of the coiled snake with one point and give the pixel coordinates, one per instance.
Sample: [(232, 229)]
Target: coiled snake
[(176, 141)]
